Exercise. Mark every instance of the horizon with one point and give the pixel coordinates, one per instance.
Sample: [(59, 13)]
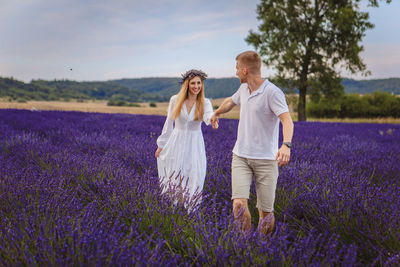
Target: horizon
[(160, 77)]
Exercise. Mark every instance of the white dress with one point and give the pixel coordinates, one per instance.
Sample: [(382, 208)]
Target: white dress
[(182, 161)]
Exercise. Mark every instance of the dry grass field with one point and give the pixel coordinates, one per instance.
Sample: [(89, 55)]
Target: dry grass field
[(101, 106), (160, 109)]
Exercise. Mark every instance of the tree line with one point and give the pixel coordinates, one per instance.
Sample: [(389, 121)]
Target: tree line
[(155, 89), (224, 87), (66, 90), (375, 105), (382, 103), (214, 88)]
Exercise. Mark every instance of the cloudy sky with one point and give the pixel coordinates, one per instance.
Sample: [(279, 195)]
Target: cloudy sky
[(101, 40)]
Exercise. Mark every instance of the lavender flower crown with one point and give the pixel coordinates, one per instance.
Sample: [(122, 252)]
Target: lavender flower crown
[(193, 73)]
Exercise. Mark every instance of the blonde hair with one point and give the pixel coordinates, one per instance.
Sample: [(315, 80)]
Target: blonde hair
[(183, 95), (251, 60)]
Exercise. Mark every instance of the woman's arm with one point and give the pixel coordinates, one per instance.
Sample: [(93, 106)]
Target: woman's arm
[(208, 111), (167, 129)]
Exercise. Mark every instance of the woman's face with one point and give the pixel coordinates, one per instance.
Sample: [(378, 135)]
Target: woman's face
[(195, 85)]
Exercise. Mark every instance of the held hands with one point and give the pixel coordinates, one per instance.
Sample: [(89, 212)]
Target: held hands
[(158, 152), (214, 122), (283, 156)]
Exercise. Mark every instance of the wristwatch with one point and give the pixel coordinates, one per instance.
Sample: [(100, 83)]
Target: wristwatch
[(288, 144)]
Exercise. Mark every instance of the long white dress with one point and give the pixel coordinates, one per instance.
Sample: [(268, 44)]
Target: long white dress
[(182, 162)]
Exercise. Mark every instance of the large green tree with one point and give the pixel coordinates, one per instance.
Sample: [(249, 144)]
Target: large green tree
[(309, 41)]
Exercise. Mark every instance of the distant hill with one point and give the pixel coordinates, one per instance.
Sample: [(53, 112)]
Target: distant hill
[(214, 88), (223, 87), (65, 89), (151, 89), (390, 85)]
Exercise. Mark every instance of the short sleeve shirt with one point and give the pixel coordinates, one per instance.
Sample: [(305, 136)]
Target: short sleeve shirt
[(258, 129)]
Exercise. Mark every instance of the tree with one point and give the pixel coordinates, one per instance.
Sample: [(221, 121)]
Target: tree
[(307, 41)]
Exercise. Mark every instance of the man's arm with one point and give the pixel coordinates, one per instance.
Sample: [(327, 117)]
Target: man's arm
[(283, 155), (226, 106)]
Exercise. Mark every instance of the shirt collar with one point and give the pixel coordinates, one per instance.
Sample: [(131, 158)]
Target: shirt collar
[(259, 90)]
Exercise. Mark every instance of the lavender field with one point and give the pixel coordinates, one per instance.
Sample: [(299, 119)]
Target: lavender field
[(82, 189)]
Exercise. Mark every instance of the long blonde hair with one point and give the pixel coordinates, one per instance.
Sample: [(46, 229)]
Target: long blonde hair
[(183, 95)]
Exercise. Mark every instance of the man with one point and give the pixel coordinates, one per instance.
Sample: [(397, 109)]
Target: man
[(262, 106)]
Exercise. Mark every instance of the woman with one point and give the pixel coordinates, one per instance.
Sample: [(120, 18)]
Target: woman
[(181, 156)]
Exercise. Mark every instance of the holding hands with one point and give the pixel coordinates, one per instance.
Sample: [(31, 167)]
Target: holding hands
[(214, 121), (226, 106)]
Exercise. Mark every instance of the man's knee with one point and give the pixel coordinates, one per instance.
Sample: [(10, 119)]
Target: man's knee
[(239, 203)]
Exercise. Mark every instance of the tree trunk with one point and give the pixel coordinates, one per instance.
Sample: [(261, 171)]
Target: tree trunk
[(301, 108)]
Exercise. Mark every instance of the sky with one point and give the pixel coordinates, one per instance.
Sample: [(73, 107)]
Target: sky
[(95, 40)]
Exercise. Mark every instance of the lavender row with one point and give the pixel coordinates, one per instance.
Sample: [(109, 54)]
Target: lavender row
[(82, 188)]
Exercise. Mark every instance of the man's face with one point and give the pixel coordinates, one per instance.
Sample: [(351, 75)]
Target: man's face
[(240, 72)]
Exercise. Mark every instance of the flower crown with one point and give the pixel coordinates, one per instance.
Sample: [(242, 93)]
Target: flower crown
[(193, 73)]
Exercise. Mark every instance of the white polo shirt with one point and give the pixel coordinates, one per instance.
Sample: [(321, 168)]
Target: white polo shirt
[(258, 129)]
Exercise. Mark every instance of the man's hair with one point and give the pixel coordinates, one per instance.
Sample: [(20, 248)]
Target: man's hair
[(251, 60)]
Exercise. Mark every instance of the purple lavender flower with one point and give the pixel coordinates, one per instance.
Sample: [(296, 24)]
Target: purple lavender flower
[(82, 189)]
